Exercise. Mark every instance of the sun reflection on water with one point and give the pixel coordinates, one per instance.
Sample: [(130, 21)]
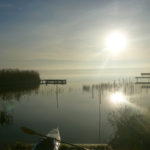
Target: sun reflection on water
[(118, 98)]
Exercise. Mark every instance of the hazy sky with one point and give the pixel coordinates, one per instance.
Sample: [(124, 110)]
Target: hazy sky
[(71, 34)]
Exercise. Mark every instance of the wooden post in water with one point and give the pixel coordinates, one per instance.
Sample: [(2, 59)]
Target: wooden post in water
[(99, 100)]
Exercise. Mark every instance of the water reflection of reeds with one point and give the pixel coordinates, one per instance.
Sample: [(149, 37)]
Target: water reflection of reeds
[(128, 88), (9, 93), (7, 97), (5, 118)]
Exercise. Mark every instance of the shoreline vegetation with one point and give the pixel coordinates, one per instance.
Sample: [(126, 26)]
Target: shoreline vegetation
[(15, 82), (15, 78)]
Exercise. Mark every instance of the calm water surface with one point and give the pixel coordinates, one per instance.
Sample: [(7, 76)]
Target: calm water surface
[(79, 110)]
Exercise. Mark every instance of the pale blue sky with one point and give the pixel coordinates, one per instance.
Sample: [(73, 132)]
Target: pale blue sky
[(70, 34)]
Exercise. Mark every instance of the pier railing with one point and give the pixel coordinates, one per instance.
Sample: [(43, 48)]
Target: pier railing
[(53, 81)]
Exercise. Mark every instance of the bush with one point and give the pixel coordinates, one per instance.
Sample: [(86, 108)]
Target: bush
[(15, 77), (132, 130)]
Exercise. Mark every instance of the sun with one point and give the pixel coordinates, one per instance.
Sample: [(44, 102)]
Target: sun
[(116, 42)]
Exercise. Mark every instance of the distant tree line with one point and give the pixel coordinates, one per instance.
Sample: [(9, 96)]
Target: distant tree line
[(16, 77)]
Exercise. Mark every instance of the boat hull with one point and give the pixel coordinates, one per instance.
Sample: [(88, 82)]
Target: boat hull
[(50, 142)]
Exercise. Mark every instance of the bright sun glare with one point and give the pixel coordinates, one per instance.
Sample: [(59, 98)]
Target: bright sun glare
[(116, 42), (117, 97)]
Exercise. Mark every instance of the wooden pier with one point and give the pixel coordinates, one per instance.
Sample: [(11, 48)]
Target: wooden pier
[(53, 81), (145, 76)]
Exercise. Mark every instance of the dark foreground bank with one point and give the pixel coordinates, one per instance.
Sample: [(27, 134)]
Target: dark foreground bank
[(22, 146)]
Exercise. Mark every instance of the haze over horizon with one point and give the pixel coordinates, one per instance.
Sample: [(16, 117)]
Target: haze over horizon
[(69, 36)]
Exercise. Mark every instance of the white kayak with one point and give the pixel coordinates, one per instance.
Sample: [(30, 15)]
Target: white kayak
[(50, 142), (56, 135)]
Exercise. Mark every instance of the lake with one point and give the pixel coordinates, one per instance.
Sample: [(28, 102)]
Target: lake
[(79, 110)]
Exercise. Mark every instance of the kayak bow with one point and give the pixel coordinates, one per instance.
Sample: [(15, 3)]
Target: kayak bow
[(49, 142)]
